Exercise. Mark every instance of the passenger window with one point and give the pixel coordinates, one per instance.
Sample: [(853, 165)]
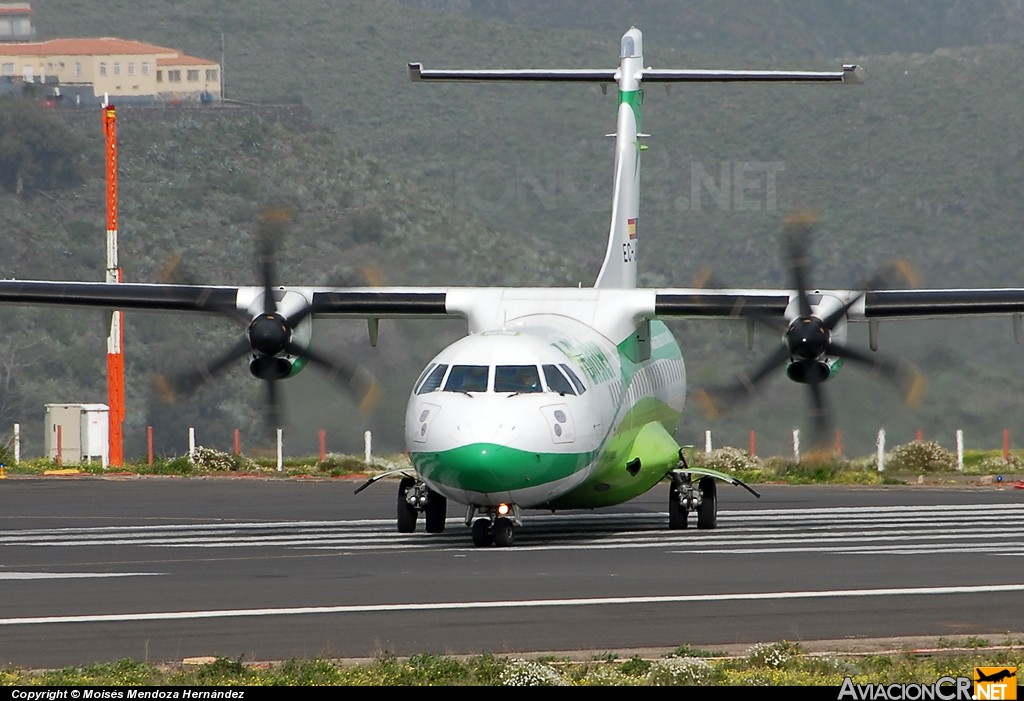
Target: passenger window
[(572, 376), (556, 380), (433, 380), (517, 378), (467, 378)]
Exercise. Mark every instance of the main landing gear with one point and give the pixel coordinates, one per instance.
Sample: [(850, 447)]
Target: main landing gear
[(414, 497), (493, 525), (684, 497)]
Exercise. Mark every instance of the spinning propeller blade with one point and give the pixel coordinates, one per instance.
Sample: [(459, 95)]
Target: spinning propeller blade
[(270, 342), (810, 350)]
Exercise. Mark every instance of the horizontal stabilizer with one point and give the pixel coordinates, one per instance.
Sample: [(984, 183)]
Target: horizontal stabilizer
[(850, 74), (581, 75)]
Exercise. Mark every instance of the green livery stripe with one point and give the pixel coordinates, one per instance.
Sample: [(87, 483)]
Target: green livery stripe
[(490, 468), (297, 366), (612, 483), (635, 100)]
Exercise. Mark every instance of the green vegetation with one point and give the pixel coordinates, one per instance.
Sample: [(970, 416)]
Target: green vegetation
[(439, 185), (909, 463), (37, 151), (765, 664)]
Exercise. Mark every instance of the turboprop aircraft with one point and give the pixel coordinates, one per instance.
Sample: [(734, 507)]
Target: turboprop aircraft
[(558, 398)]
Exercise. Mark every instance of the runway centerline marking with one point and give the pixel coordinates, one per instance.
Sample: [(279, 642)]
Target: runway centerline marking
[(538, 603)]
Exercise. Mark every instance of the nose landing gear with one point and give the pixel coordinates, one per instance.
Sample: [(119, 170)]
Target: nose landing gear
[(493, 525)]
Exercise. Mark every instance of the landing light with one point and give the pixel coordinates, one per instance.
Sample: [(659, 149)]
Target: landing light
[(504, 509)]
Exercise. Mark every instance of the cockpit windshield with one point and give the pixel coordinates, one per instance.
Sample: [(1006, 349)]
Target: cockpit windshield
[(517, 378), (513, 379), (467, 378)]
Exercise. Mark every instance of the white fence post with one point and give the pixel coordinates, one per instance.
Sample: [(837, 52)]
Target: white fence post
[(881, 449), (17, 443), (707, 441), (191, 444), (960, 449), (367, 450), (280, 451), (796, 445)]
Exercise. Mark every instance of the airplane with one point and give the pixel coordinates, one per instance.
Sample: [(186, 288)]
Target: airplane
[(995, 676), (559, 398)]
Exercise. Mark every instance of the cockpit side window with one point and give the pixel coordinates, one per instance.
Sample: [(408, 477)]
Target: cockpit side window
[(556, 380), (467, 378), (433, 381), (572, 376), (517, 378), (426, 371)]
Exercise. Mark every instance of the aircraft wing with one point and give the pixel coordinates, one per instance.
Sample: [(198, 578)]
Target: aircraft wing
[(864, 306), (374, 302)]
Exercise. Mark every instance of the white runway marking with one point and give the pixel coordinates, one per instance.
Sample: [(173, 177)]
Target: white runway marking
[(74, 575), (983, 529), (539, 603)]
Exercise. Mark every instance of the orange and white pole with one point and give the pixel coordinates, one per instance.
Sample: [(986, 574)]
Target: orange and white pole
[(115, 357)]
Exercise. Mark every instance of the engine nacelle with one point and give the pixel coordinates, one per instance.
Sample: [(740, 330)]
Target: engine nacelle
[(275, 367), (813, 371)]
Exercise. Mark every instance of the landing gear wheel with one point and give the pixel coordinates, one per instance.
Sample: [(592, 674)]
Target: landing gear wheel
[(503, 532), (482, 535), (406, 514), (677, 513), (707, 512), (435, 511)]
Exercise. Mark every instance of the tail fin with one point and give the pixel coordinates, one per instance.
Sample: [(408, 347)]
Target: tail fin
[(619, 267), (620, 260)]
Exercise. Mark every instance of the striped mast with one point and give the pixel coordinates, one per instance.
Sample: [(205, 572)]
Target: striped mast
[(115, 357)]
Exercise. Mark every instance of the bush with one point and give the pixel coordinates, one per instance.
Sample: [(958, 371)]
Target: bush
[(520, 672), (208, 459), (921, 457), (729, 460), (680, 671), (773, 655)]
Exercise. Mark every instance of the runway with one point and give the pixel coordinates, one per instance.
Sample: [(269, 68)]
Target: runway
[(162, 569)]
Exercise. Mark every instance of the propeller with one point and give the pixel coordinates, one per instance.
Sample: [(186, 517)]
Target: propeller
[(276, 338), (813, 338)]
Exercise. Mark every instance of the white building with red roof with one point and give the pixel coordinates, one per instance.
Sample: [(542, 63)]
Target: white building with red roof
[(113, 67)]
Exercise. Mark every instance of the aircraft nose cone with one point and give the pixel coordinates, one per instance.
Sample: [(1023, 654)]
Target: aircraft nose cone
[(477, 467)]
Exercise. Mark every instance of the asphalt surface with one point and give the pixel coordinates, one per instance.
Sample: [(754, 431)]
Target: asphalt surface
[(163, 569)]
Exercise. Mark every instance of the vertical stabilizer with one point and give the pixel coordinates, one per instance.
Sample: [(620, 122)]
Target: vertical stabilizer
[(620, 259), (619, 267)]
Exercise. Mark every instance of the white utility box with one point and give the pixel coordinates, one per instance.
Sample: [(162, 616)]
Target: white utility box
[(83, 433)]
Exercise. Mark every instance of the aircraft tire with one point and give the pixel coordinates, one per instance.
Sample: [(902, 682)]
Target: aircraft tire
[(435, 511), (678, 515), (707, 512), (504, 531), (406, 514), (482, 535)]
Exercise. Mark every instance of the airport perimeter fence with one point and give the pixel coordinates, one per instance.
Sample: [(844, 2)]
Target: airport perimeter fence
[(80, 450)]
